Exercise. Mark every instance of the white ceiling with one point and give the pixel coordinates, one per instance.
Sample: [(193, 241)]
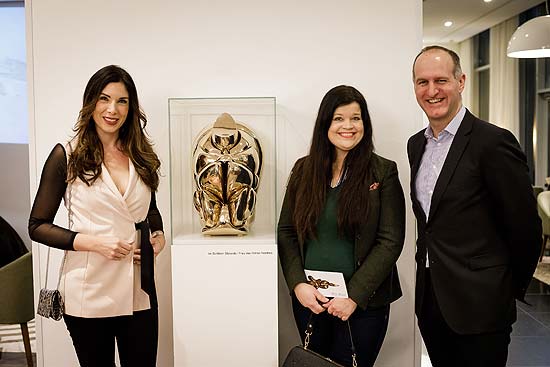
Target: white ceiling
[(469, 17)]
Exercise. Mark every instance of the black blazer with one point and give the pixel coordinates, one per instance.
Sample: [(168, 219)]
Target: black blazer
[(483, 234)]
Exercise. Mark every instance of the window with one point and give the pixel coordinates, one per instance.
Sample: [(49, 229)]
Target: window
[(534, 108), (13, 83), (481, 75), (542, 120)]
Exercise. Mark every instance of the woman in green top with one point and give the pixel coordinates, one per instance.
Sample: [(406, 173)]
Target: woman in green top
[(343, 211)]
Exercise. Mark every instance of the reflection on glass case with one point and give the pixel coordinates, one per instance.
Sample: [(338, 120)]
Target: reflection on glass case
[(222, 167), (227, 164)]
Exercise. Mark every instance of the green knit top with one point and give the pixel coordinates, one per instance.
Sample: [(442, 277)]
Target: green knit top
[(329, 251)]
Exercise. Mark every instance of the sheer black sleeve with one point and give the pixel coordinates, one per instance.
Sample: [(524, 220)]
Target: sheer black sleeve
[(153, 216), (46, 203)]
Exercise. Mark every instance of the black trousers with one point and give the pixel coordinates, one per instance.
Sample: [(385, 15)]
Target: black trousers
[(331, 338), (136, 337), (446, 348)]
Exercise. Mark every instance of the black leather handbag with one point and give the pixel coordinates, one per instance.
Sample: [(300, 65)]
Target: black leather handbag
[(300, 356)]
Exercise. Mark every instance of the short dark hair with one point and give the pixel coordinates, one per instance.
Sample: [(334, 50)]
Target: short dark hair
[(457, 70)]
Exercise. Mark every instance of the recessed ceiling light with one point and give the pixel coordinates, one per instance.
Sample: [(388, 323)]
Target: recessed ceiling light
[(487, 1), (448, 23)]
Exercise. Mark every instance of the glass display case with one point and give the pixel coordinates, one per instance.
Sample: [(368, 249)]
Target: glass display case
[(188, 117), (207, 270)]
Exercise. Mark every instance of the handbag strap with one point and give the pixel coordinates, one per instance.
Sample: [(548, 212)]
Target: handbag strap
[(60, 268), (47, 268), (309, 332), (353, 353)]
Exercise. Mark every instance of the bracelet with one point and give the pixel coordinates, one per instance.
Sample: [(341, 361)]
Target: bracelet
[(157, 233)]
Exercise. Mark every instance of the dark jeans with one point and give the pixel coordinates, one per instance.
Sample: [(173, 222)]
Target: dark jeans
[(136, 337), (331, 338), (449, 349)]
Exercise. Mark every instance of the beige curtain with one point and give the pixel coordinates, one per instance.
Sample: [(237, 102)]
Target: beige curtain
[(466, 53), (504, 93)]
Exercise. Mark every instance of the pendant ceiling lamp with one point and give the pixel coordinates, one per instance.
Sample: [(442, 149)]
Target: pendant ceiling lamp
[(532, 38)]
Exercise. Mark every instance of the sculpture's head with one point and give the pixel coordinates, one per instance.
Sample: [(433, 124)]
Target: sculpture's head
[(227, 161)]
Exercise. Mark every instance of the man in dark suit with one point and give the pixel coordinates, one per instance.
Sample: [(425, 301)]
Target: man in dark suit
[(479, 234)]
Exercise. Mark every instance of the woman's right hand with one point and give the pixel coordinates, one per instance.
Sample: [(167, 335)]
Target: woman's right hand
[(112, 248), (310, 297)]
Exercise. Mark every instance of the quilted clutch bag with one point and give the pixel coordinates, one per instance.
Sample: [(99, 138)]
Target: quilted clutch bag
[(50, 301), (50, 304)]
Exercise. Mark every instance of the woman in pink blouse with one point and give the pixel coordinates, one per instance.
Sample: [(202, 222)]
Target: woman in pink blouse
[(107, 175)]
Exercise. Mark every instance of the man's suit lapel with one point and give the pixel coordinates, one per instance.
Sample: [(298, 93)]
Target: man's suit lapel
[(460, 141), (418, 145)]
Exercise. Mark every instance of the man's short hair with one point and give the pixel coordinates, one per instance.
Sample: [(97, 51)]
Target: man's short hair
[(457, 70)]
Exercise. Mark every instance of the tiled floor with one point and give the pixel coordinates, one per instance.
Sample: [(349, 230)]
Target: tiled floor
[(12, 351), (15, 359), (530, 344)]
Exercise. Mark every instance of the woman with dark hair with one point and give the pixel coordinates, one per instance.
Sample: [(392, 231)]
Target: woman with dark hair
[(107, 175), (343, 211)]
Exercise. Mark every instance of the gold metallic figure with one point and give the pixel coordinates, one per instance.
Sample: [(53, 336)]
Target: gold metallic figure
[(320, 283), (227, 165)]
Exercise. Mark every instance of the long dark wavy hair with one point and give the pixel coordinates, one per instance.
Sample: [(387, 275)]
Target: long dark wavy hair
[(316, 173), (87, 155)]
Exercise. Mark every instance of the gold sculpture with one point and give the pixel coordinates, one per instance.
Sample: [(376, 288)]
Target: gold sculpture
[(227, 165), (320, 283)]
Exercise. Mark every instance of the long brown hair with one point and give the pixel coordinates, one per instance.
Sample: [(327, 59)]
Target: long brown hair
[(312, 180), (87, 155)]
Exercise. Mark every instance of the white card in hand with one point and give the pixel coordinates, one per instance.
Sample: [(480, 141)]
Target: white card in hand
[(329, 283)]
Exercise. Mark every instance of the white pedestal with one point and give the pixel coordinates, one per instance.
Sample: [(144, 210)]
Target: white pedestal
[(225, 301)]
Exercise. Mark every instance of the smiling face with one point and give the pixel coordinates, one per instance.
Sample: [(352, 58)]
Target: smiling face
[(438, 90), (346, 129), (111, 109)]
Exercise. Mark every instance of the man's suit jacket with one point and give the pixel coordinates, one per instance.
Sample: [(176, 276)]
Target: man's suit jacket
[(483, 233)]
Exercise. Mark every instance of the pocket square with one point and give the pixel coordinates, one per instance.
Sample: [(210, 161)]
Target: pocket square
[(374, 186)]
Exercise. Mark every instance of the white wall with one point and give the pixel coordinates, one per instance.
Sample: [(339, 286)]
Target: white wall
[(292, 50)]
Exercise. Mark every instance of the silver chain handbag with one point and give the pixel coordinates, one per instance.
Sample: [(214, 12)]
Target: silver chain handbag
[(50, 301)]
